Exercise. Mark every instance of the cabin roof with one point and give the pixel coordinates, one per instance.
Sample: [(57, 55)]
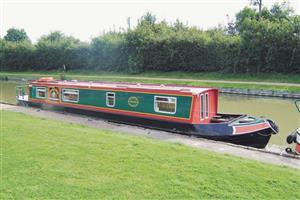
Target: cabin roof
[(123, 86)]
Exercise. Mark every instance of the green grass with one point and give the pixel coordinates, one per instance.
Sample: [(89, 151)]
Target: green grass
[(50, 159), (196, 79), (265, 77)]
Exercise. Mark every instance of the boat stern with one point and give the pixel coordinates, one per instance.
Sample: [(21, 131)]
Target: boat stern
[(249, 124), (273, 126), (253, 131), (21, 94)]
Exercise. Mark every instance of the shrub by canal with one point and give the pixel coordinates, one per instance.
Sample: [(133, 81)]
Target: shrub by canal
[(197, 79), (51, 159)]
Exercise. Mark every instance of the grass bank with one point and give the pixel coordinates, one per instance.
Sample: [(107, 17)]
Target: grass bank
[(267, 77), (50, 159), (195, 79)]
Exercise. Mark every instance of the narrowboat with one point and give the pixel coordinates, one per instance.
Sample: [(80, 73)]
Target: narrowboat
[(181, 109)]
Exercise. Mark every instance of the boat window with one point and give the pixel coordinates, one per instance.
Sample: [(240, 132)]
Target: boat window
[(70, 95), (206, 105), (110, 99), (165, 104), (201, 106), (41, 92)]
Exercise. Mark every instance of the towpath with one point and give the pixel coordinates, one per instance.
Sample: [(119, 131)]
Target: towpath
[(211, 81), (219, 147), (89, 77)]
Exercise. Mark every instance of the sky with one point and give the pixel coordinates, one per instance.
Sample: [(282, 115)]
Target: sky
[(90, 18)]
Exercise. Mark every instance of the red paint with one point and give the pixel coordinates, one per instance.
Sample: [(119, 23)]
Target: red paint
[(213, 107), (297, 148), (251, 128)]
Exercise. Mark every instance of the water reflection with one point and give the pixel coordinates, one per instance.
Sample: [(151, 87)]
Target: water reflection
[(8, 91)]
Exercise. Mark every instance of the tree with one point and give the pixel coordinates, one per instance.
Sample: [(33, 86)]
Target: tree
[(259, 4), (231, 28), (106, 52), (246, 44), (281, 11), (54, 50), (58, 36), (17, 56), (271, 43), (16, 35), (148, 18), (179, 26), (245, 15)]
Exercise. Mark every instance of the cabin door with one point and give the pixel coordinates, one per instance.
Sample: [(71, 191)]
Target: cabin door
[(204, 106)]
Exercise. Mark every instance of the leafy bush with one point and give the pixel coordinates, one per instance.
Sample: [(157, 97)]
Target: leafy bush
[(255, 43)]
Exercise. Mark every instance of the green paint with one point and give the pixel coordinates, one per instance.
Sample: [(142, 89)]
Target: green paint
[(129, 101), (32, 92)]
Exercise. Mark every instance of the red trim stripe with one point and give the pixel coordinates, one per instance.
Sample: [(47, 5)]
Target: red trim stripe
[(250, 128)]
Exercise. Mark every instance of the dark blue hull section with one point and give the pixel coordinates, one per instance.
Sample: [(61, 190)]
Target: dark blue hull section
[(219, 132)]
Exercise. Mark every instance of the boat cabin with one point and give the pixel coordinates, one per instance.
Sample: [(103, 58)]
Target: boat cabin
[(186, 104)]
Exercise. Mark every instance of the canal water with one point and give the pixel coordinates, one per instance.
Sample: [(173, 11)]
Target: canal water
[(282, 111)]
